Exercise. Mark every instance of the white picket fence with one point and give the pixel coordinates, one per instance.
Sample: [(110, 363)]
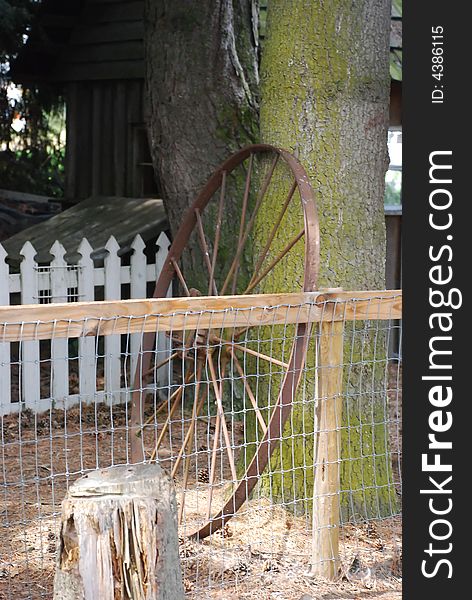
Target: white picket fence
[(22, 366)]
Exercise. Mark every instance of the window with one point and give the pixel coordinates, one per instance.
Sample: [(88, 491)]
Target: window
[(393, 177)]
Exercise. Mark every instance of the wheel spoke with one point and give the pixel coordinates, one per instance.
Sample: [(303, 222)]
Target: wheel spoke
[(176, 396), (178, 341), (219, 420), (253, 352), (213, 463), (161, 364), (180, 276), (219, 220), (239, 332), (183, 346), (235, 263), (159, 408), (184, 352), (274, 231), (219, 403), (206, 252), (189, 435), (276, 260), (187, 445), (247, 187), (240, 370)]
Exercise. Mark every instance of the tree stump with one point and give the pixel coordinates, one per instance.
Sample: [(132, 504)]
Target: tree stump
[(118, 537)]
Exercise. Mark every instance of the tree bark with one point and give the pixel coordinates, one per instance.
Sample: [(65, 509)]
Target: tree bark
[(325, 96), (118, 537), (202, 89)]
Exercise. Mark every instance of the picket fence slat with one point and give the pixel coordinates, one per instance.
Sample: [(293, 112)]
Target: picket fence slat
[(86, 291), (138, 290), (59, 348), (112, 369), (163, 342), (62, 282), (29, 380)]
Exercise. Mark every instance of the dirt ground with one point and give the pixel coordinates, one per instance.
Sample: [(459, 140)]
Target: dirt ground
[(263, 553)]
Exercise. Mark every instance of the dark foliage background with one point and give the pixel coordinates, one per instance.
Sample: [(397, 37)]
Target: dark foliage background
[(31, 160)]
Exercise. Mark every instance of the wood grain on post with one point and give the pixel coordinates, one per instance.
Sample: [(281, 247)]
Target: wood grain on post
[(118, 537), (81, 319), (325, 551)]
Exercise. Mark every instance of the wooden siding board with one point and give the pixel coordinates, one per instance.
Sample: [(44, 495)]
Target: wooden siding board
[(112, 12), (105, 1), (107, 142), (58, 20), (134, 117), (119, 146), (90, 39), (78, 141), (120, 69), (111, 51), (102, 121), (108, 32), (96, 155)]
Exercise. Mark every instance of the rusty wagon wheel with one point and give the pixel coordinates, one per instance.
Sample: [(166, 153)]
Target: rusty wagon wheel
[(254, 169)]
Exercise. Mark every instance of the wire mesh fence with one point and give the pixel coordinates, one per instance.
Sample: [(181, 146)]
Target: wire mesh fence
[(278, 418)]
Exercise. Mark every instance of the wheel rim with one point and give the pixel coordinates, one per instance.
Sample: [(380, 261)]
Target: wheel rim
[(192, 224)]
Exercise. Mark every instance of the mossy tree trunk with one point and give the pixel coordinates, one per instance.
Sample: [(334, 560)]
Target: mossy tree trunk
[(325, 96), (202, 90)]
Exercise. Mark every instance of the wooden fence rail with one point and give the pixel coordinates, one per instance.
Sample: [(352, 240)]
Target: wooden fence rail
[(84, 319), (89, 321)]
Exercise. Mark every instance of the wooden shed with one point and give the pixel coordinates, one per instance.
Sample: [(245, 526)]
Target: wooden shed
[(93, 51)]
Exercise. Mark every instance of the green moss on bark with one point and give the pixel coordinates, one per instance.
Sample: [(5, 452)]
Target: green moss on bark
[(325, 86)]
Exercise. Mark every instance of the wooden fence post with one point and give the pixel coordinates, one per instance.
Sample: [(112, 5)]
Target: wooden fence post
[(325, 551), (119, 538)]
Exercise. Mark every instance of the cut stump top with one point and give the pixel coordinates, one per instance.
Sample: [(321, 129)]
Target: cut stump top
[(140, 480)]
